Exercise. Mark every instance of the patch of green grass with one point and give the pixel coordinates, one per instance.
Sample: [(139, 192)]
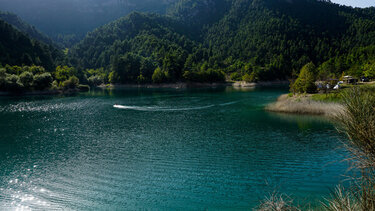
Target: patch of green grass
[(330, 97)]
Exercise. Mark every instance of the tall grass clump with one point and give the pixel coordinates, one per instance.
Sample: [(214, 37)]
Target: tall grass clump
[(357, 121), (277, 202)]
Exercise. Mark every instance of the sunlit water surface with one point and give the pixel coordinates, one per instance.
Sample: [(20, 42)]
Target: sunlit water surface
[(161, 149)]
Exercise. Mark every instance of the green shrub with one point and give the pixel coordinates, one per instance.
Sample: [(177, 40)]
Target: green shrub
[(42, 81), (71, 83), (26, 79), (159, 76), (95, 80), (113, 77), (235, 76), (247, 78), (141, 79), (13, 83)]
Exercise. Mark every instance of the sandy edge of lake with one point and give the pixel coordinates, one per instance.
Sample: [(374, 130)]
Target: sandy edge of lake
[(304, 105)]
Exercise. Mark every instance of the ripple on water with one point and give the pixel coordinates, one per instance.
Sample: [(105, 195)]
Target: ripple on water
[(220, 150)]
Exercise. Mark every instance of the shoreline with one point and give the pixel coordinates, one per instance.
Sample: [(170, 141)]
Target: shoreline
[(42, 93), (304, 105), (236, 84), (180, 85)]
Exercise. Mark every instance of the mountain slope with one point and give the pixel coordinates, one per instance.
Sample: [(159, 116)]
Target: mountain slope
[(24, 27), (285, 35), (69, 20), (252, 39), (17, 48)]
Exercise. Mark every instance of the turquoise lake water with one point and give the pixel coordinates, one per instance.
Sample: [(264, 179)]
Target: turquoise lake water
[(162, 149)]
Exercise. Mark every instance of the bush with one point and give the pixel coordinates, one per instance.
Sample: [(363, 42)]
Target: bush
[(95, 80), (141, 79), (13, 83), (159, 76), (71, 83), (42, 81), (235, 76), (247, 78), (113, 77), (26, 79)]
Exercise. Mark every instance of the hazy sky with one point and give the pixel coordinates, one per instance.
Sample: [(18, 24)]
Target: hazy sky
[(356, 3)]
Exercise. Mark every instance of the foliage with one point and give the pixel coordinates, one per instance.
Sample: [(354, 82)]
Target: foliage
[(71, 83), (95, 80), (42, 81), (17, 48), (24, 27), (277, 202), (305, 82), (26, 78), (248, 40), (159, 76), (63, 73), (358, 123), (358, 62), (70, 20)]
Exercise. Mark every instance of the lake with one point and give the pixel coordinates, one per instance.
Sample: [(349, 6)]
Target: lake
[(191, 149)]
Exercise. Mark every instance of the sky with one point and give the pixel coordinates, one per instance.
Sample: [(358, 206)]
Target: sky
[(356, 3)]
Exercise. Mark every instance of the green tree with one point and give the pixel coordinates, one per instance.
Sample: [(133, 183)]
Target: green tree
[(26, 79), (71, 83), (63, 73), (95, 80), (13, 83), (305, 82), (113, 77), (369, 70), (158, 76), (42, 81), (127, 67)]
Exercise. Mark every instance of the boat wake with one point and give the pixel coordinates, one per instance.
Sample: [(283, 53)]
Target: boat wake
[(157, 108)]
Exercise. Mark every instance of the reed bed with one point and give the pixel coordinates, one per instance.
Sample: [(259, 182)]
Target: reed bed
[(305, 105)]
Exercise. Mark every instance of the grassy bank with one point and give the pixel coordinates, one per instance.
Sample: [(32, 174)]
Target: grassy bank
[(326, 104), (305, 104)]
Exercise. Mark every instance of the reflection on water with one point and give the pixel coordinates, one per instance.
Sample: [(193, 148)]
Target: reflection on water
[(161, 149)]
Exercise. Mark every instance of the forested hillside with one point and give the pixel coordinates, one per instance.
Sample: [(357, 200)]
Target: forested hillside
[(67, 21), (205, 40), (17, 48), (24, 27)]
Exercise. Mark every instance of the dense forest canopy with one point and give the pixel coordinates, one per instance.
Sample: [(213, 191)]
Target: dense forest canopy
[(244, 39), (208, 41), (17, 48)]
